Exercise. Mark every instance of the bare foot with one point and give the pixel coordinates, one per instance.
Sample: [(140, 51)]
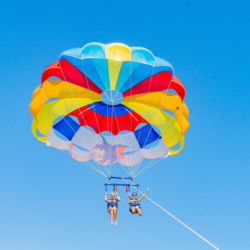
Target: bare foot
[(116, 223), (140, 214), (111, 222)]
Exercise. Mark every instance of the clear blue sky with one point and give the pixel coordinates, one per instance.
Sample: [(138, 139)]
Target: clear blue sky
[(50, 202)]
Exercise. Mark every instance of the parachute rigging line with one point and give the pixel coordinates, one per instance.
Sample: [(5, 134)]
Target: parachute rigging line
[(151, 163), (122, 143), (96, 167)]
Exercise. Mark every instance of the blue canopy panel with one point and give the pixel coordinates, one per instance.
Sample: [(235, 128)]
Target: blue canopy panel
[(92, 62), (93, 50), (95, 69), (126, 71), (109, 110), (67, 127), (146, 135), (142, 72)]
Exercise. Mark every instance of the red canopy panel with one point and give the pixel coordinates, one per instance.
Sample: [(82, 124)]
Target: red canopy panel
[(67, 72), (113, 124)]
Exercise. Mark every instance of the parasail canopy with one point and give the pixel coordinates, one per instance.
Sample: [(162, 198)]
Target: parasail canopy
[(111, 104)]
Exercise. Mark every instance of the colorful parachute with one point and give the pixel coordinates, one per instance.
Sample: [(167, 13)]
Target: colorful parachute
[(110, 104)]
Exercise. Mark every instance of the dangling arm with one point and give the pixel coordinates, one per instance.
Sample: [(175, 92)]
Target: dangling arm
[(144, 195)]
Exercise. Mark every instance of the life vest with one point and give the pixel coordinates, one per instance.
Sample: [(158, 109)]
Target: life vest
[(134, 202), (112, 202)]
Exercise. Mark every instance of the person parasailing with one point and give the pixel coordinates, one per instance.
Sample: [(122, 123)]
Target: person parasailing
[(134, 203), (112, 206)]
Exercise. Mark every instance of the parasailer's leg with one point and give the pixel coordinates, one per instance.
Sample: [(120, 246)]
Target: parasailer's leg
[(138, 210), (132, 210), (115, 215), (111, 215)]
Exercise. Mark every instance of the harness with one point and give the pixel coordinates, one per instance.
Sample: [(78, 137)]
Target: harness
[(134, 202), (112, 203)]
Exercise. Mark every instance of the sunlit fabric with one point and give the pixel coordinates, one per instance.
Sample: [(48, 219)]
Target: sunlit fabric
[(110, 104)]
